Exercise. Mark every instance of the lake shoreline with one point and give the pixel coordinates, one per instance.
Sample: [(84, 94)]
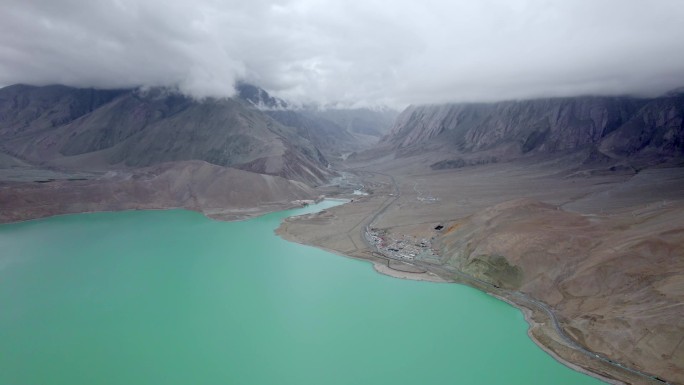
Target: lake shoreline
[(235, 215), (539, 329), (529, 314)]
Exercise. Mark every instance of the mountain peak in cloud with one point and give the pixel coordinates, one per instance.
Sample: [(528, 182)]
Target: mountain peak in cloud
[(360, 54)]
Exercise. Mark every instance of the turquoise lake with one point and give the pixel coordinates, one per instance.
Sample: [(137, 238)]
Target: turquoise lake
[(171, 297)]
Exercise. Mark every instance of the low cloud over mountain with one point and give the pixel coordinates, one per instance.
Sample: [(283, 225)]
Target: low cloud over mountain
[(359, 53)]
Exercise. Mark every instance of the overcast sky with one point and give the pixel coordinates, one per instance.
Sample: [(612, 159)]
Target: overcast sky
[(352, 52)]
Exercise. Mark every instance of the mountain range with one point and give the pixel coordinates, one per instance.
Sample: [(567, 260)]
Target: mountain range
[(52, 132), (576, 202), (615, 129)]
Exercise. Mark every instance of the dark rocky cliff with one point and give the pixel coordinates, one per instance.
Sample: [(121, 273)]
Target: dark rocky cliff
[(617, 126), (74, 128), (25, 109)]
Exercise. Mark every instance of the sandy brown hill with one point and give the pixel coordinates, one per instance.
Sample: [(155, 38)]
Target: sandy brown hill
[(217, 191), (616, 282)]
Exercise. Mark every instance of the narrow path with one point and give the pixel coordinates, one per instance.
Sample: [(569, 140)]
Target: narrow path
[(518, 296)]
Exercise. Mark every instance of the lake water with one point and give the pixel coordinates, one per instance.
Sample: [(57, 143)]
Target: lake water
[(171, 297)]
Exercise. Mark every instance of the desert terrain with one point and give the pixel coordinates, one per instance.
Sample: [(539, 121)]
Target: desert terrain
[(594, 258), (218, 192)]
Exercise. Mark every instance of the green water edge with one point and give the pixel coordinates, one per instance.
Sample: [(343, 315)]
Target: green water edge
[(172, 297)]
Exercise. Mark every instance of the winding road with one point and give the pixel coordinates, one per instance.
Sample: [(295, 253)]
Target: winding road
[(518, 297)]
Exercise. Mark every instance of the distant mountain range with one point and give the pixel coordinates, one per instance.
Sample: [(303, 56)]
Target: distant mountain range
[(616, 129), (91, 129), (140, 131), (68, 150), (335, 131)]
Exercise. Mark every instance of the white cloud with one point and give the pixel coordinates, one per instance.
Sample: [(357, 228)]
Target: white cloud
[(391, 52)]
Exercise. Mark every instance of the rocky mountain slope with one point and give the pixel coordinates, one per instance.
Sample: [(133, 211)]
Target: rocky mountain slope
[(335, 131), (330, 138), (616, 283), (99, 129), (575, 202), (65, 149), (363, 121), (25, 110), (618, 127)]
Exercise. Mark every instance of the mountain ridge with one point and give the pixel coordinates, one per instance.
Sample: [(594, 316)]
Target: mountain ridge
[(618, 127), (128, 128), (335, 131)]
